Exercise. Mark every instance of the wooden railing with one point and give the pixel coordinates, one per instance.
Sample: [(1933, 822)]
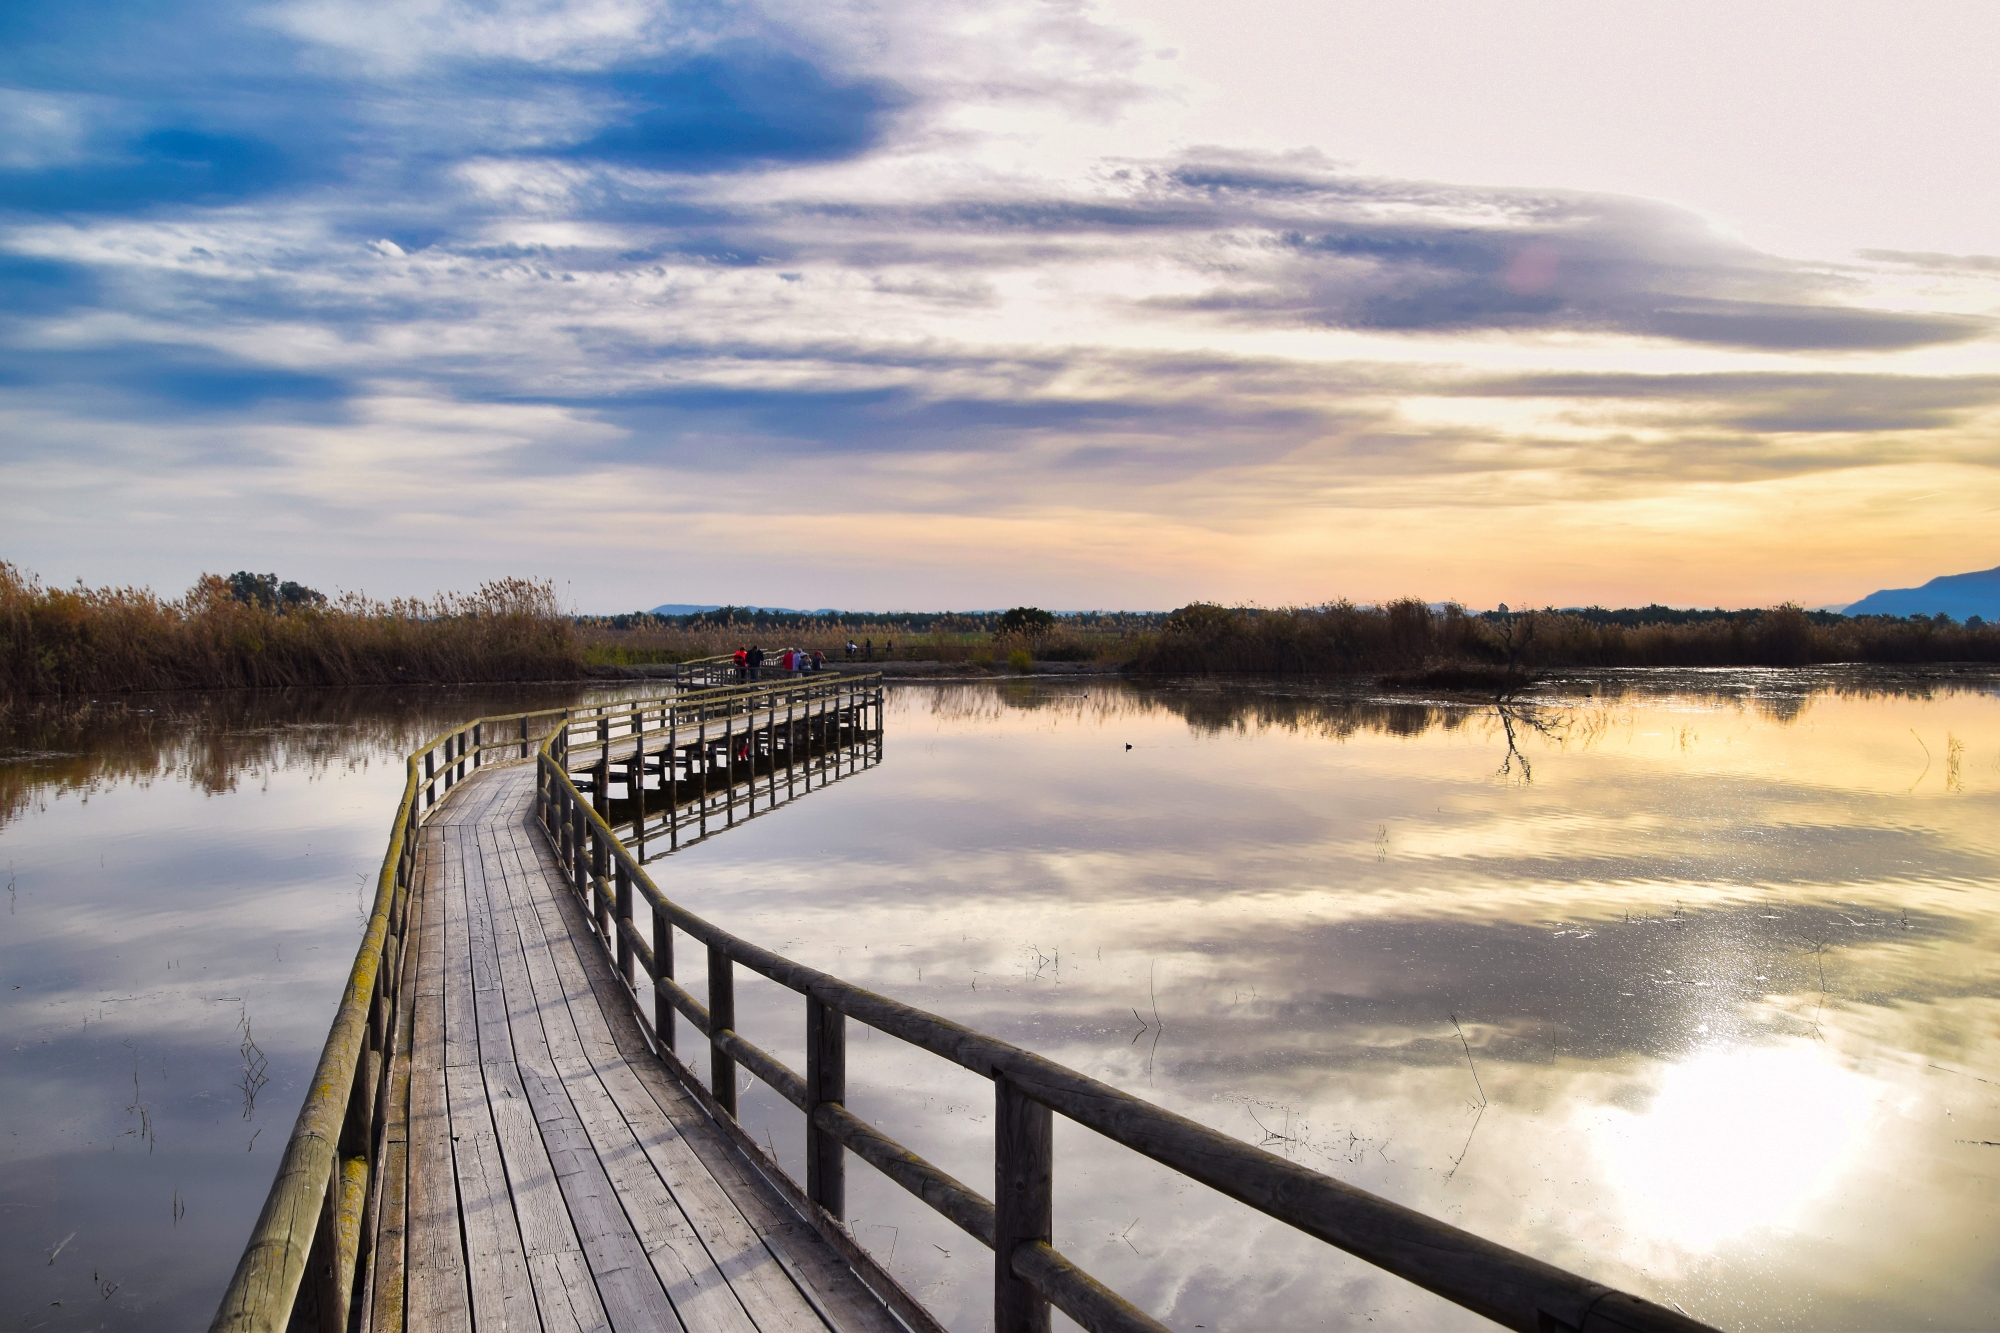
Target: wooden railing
[(733, 737), (308, 1250), (309, 1242), (1030, 1276), (705, 673)]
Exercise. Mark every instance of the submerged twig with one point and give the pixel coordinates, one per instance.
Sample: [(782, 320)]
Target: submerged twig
[(1468, 1061)]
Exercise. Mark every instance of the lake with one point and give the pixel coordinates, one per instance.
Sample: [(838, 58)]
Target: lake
[(1681, 980)]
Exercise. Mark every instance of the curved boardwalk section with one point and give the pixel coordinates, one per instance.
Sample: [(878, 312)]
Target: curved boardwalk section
[(494, 1141), (557, 1176)]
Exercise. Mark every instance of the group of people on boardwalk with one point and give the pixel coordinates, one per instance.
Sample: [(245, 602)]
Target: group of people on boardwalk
[(750, 662)]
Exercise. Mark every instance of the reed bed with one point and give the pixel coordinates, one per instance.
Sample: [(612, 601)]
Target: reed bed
[(1411, 638), (87, 641), (646, 641)]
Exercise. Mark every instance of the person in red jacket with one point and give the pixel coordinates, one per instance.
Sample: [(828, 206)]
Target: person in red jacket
[(742, 665)]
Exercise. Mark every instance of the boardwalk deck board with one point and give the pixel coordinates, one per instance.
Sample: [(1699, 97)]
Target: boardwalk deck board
[(791, 1247), (734, 1244), (696, 1285), (537, 1164), (556, 1175), (434, 1286)]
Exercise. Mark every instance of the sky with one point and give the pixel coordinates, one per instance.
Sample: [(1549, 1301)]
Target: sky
[(883, 304)]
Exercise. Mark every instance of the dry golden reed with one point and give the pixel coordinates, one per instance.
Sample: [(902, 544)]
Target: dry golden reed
[(81, 640)]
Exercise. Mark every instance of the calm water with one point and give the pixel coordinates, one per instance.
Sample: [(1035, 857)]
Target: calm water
[(1692, 989)]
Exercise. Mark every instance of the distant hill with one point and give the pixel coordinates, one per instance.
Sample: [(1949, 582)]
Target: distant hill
[(690, 608), (1959, 596)]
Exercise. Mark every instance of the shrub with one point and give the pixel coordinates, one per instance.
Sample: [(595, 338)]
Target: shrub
[(1026, 621)]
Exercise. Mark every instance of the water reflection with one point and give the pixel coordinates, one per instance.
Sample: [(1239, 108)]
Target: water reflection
[(187, 877), (1689, 987), (1699, 1001)]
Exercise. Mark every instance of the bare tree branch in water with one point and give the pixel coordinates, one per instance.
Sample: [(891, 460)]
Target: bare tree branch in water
[(254, 1064), (1459, 1160), (1527, 717)]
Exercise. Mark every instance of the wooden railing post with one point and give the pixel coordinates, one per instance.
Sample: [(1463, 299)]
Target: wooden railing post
[(672, 774), (635, 782), (478, 752), (663, 966), (622, 879), (430, 778), (826, 1081), (1023, 1202), (600, 872), (729, 770), (524, 735), (721, 1019)]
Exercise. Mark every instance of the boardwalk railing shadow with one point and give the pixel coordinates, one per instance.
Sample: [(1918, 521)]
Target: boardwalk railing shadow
[(710, 751)]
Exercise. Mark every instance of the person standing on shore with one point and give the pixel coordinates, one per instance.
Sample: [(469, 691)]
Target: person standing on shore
[(868, 646)]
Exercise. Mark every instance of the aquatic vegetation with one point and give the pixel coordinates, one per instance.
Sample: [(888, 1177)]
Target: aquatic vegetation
[(1437, 645), (252, 631)]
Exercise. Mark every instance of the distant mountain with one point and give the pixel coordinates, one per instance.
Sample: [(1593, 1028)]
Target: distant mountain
[(689, 608), (1959, 596)]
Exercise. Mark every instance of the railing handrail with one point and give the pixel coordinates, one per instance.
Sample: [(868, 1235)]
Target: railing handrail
[(314, 1211), (1511, 1288), (696, 706), (266, 1282), (340, 1102)]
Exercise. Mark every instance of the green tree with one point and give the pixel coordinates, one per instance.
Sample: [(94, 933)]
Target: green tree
[(265, 591), (1027, 621)]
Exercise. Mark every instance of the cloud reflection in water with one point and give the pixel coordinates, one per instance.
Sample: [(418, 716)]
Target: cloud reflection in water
[(1704, 961)]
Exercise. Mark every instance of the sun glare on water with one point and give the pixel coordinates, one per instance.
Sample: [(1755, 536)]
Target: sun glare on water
[(1738, 1139)]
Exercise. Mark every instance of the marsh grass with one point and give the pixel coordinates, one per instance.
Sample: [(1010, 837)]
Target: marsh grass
[(1411, 642), (636, 641), (87, 641)]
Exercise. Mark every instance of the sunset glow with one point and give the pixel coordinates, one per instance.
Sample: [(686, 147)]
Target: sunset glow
[(1086, 305)]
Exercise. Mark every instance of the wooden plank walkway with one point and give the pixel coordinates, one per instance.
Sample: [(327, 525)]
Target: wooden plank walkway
[(543, 1168)]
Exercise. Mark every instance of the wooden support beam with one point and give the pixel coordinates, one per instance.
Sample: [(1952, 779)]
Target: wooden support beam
[(721, 1018), (1023, 1202), (826, 1085)]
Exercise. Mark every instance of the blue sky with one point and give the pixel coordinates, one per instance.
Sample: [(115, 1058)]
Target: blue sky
[(886, 304)]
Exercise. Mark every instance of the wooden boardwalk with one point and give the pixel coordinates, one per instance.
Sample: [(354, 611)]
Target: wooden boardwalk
[(491, 1142), (543, 1168)]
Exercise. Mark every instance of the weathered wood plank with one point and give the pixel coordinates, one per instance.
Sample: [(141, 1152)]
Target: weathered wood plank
[(437, 1299), (569, 1297), (386, 1254), (496, 1267), (734, 1243), (591, 1191), (539, 1207), (633, 1296), (696, 1285), (618, 1043), (461, 1023)]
